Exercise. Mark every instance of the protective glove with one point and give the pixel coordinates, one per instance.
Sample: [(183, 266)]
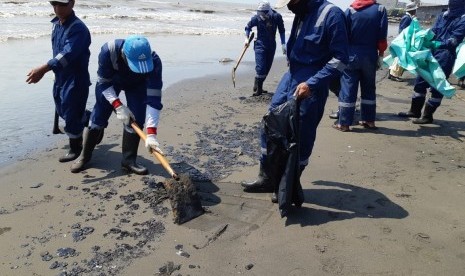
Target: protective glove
[(152, 144), (283, 47), (432, 44), (379, 63), (124, 114), (246, 41)]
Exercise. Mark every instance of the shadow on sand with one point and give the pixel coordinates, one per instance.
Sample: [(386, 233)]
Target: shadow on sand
[(339, 201)]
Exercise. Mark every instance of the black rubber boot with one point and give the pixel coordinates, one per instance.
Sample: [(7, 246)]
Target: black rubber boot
[(262, 184), (255, 85), (259, 87), (274, 195), (130, 146), (415, 108), (75, 148), (91, 139), (427, 117)]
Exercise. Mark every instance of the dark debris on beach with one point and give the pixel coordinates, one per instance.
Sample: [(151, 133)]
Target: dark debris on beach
[(219, 149)]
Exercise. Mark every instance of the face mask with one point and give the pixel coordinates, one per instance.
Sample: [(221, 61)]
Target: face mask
[(299, 8)]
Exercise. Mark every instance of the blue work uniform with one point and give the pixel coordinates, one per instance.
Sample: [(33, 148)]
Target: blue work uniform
[(317, 52), (450, 31), (141, 90), (70, 64), (405, 22), (366, 28), (265, 43)]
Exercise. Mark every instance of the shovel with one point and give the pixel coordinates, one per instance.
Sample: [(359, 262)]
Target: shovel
[(185, 202), (240, 58)]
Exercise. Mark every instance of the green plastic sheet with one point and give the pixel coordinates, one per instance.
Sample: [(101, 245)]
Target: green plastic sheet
[(459, 65), (413, 56)]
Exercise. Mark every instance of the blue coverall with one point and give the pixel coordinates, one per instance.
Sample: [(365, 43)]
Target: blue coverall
[(449, 30), (70, 62), (405, 22), (140, 89), (317, 51), (265, 44), (366, 28)]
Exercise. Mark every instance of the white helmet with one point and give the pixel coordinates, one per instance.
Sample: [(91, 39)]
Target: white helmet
[(264, 6)]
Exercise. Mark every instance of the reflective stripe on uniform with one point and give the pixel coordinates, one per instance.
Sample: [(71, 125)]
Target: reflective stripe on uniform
[(418, 95), (341, 104), (263, 151), (154, 92), (336, 63), (113, 54), (435, 100), (61, 60), (321, 18), (60, 57), (103, 80), (370, 102)]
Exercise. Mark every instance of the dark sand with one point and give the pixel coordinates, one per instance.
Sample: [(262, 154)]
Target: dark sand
[(385, 202)]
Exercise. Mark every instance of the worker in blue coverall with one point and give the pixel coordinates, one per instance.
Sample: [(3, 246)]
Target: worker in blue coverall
[(70, 62), (449, 32), (130, 65), (317, 52), (267, 21), (367, 26), (396, 71)]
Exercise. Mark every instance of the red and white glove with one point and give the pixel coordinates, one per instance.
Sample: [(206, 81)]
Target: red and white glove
[(152, 144), (122, 112)]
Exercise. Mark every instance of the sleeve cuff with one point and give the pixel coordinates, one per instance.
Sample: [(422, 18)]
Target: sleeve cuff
[(151, 130), (116, 103)]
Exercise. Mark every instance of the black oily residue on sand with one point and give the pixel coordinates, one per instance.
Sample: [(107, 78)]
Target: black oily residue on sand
[(185, 202), (225, 149)]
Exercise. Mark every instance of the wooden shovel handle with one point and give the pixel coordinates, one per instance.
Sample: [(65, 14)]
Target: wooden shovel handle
[(160, 157)]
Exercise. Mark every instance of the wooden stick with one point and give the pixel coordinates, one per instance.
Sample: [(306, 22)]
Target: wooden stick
[(155, 153)]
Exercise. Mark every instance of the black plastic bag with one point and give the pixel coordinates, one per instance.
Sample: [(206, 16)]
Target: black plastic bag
[(281, 129)]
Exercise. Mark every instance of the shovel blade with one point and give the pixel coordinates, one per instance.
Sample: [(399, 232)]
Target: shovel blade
[(184, 200)]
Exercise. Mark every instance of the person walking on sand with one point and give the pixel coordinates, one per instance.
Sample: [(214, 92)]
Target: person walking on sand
[(70, 46), (130, 65), (396, 71), (449, 31), (267, 21), (367, 26), (317, 52)]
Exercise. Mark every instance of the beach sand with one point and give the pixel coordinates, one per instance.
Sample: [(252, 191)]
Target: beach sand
[(385, 202)]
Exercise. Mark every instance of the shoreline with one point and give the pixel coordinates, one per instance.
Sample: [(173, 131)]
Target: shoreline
[(393, 196), (18, 126)]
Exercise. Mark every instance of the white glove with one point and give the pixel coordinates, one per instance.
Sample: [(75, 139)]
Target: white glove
[(124, 114), (152, 144), (246, 41), (284, 49), (379, 63)]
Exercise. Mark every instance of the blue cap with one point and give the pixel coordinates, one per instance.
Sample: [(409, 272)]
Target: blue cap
[(137, 50)]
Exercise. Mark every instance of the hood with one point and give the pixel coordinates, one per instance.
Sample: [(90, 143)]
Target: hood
[(360, 4), (456, 8)]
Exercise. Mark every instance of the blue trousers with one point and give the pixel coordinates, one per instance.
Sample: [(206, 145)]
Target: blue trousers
[(263, 59), (136, 101), (361, 71), (70, 103)]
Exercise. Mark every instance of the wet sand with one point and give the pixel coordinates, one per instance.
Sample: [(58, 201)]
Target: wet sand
[(384, 202)]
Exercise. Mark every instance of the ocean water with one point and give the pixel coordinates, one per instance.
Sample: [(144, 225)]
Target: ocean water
[(190, 36)]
